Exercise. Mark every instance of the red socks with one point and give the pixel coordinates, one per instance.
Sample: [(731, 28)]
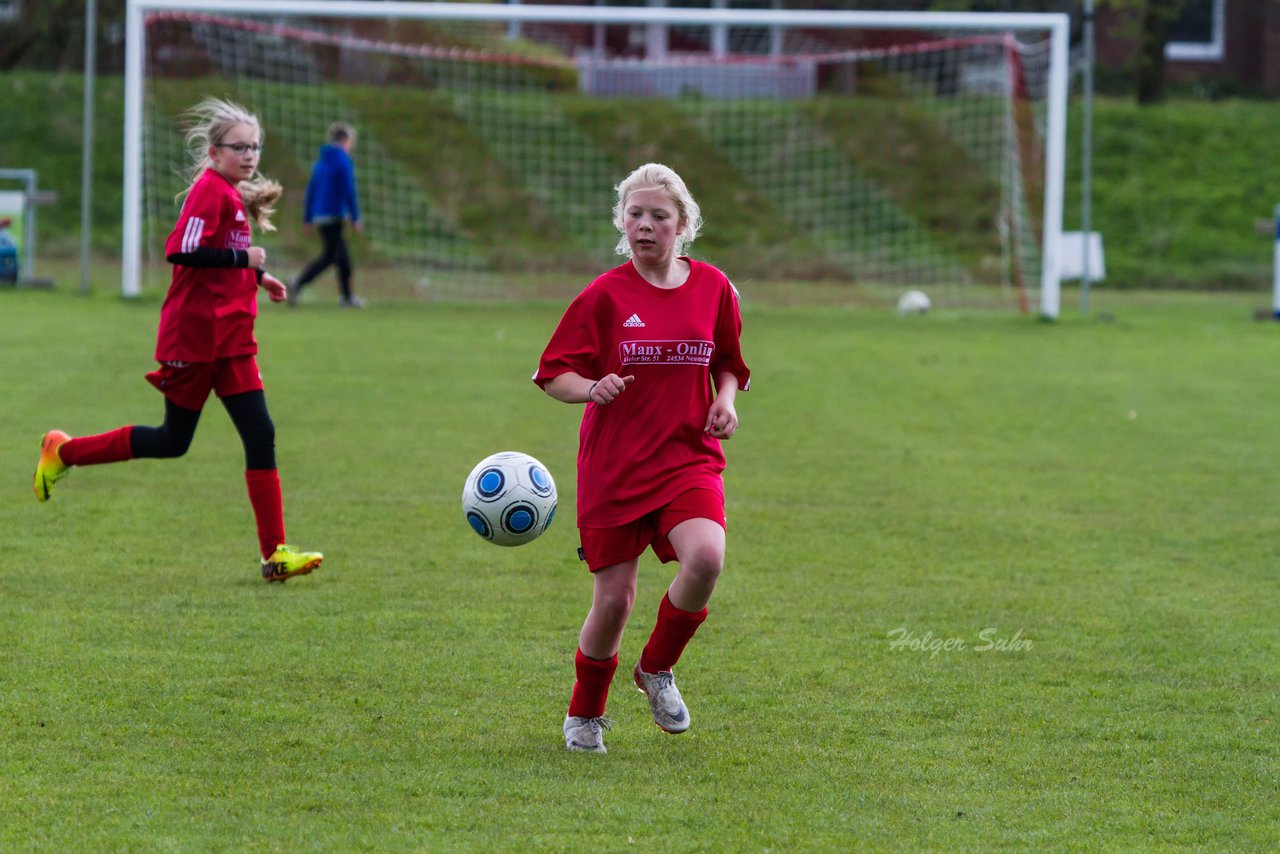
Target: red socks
[(110, 447), (592, 688), (673, 631), (671, 634), (268, 507)]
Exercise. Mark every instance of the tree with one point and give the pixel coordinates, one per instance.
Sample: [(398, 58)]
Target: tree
[(49, 34), (1071, 7), (1158, 17), (1155, 19)]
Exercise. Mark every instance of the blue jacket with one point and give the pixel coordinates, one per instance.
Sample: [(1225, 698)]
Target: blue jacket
[(331, 192)]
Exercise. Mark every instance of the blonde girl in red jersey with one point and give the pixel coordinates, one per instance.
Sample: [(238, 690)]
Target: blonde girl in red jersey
[(205, 341), (653, 349)]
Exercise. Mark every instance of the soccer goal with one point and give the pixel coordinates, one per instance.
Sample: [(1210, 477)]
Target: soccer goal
[(850, 154)]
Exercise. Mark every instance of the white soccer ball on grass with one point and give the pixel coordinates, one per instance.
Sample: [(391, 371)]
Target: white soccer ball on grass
[(509, 498), (913, 302)]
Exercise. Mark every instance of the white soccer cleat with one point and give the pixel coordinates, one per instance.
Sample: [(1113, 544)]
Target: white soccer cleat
[(586, 734), (669, 711)]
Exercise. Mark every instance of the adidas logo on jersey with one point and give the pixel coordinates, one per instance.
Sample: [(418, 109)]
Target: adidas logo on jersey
[(239, 216), (633, 320)]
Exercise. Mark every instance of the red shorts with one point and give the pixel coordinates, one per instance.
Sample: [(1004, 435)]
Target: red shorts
[(603, 547), (188, 383)]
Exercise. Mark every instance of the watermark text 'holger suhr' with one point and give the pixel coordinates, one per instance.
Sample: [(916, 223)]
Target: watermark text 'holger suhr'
[(988, 640)]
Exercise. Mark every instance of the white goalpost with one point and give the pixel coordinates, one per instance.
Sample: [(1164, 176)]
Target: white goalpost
[(867, 151)]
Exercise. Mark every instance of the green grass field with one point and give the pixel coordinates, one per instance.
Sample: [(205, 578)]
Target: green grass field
[(1098, 495)]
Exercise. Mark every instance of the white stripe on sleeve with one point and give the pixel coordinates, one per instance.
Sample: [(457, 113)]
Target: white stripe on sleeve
[(191, 237)]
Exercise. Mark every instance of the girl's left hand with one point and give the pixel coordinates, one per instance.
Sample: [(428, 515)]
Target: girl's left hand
[(722, 419), (275, 288)]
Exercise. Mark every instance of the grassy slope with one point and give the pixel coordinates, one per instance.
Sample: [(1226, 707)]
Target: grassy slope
[(1105, 489), (1177, 190), (905, 151), (1178, 187), (44, 132)]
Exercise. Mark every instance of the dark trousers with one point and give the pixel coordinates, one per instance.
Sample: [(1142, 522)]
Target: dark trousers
[(335, 252), (248, 412)]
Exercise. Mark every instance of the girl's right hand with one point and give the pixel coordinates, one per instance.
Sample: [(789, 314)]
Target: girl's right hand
[(257, 257), (607, 388)]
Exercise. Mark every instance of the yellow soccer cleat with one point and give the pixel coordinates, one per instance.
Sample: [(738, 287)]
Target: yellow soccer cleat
[(286, 562), (50, 468)]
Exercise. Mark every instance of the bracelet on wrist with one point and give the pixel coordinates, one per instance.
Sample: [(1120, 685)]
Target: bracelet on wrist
[(592, 390)]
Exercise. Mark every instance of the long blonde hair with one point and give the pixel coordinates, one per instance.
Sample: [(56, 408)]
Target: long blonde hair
[(209, 123), (656, 176)]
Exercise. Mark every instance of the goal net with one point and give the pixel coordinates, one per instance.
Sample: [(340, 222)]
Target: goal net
[(833, 160)]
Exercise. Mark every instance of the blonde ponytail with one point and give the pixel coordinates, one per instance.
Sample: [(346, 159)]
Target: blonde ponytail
[(260, 196)]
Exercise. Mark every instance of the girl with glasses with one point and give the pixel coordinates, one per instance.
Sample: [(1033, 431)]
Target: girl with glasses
[(205, 341)]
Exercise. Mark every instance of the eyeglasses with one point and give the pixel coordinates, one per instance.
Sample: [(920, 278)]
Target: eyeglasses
[(239, 147)]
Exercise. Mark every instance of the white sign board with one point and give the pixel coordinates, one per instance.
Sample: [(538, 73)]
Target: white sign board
[(12, 203), (1071, 256)]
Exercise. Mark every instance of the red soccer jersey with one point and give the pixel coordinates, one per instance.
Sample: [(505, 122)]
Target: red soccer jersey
[(208, 313), (647, 446)]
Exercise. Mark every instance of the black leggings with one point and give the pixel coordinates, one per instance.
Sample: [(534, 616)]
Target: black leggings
[(335, 252), (248, 412)]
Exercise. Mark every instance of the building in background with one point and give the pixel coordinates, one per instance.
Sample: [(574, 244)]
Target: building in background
[(1215, 46)]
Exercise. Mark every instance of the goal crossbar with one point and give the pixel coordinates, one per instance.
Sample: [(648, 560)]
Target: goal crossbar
[(1055, 24)]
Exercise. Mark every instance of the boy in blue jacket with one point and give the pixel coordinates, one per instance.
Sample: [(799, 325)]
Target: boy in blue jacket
[(330, 199)]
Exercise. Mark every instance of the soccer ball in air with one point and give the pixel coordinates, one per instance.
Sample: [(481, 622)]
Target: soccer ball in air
[(913, 302), (509, 498)]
